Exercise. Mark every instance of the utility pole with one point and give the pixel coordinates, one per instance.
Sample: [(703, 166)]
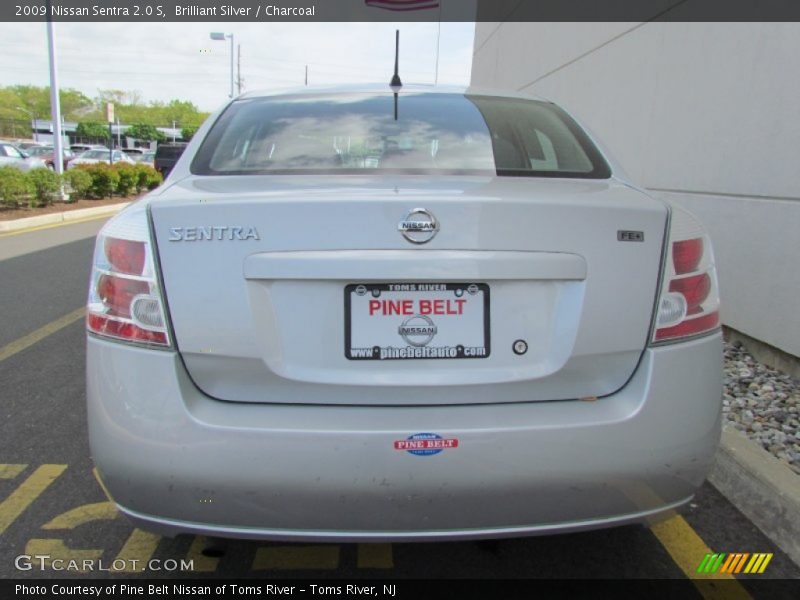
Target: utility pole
[(239, 80), (221, 37), (306, 74), (438, 39)]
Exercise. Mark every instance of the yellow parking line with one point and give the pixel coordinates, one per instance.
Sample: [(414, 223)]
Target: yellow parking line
[(36, 336), (687, 549), (296, 558), (375, 556), (58, 550), (200, 562), (102, 485), (99, 511), (140, 547), (30, 489), (11, 471)]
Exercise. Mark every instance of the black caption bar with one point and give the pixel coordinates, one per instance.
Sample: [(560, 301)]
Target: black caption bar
[(394, 589), (399, 10)]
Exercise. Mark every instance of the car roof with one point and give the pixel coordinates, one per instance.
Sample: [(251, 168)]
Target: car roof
[(377, 88)]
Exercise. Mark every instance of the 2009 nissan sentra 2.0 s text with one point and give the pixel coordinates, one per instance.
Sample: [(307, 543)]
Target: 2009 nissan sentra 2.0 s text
[(354, 315)]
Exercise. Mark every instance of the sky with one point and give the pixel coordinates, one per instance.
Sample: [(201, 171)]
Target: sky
[(164, 61)]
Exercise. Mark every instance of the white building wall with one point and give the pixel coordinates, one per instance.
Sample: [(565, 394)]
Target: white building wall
[(705, 114)]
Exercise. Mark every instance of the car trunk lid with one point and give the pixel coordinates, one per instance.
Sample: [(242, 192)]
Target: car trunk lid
[(262, 277)]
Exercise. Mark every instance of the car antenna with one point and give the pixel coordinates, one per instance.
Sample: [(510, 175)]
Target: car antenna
[(396, 84)]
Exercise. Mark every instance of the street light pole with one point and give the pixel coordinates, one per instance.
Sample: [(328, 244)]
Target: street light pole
[(34, 122), (221, 37), (55, 101)]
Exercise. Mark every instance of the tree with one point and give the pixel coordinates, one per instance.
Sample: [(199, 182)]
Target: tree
[(37, 100), (144, 132), (119, 98), (187, 133), (92, 130), (74, 104), (33, 98)]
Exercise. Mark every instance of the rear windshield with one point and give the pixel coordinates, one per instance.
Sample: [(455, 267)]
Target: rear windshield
[(412, 133)]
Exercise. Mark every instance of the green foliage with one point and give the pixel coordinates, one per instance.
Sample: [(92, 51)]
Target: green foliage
[(129, 107), (128, 178), (15, 187), (39, 187), (147, 177), (187, 133), (46, 185), (36, 100), (92, 130), (119, 98), (145, 132), (105, 179), (79, 182)]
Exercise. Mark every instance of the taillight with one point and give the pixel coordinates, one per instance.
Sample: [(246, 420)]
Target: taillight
[(125, 301), (689, 299), (686, 255)]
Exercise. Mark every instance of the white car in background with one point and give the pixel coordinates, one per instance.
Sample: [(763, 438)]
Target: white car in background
[(11, 156), (91, 157), (148, 158), (440, 313)]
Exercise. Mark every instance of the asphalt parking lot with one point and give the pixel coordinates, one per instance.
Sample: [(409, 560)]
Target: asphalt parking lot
[(52, 504)]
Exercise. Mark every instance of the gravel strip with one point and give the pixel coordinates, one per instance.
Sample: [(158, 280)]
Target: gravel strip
[(763, 403)]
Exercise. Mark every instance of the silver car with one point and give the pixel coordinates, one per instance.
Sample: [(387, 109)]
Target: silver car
[(11, 156), (446, 313), (93, 157)]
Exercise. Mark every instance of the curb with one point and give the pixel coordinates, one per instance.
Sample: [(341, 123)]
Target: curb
[(764, 489), (62, 217)]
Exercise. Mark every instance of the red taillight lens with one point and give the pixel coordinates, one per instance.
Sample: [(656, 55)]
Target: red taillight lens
[(694, 288), (126, 331), (118, 293), (125, 256), (686, 255), (688, 303), (125, 300)]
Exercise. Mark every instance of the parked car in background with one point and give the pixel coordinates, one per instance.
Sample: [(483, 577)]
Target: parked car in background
[(80, 148), (91, 157), (47, 154), (141, 155), (26, 145), (167, 155), (434, 314), (148, 158), (12, 156)]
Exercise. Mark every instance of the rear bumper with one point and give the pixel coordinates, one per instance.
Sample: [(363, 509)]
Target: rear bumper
[(177, 461)]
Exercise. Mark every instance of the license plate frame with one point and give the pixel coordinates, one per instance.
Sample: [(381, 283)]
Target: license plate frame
[(418, 348)]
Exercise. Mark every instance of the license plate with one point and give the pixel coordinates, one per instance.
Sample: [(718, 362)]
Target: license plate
[(402, 321)]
